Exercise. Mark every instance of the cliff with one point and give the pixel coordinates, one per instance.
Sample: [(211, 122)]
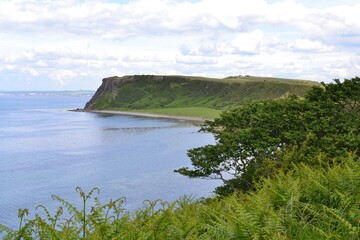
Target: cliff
[(109, 86), (149, 91)]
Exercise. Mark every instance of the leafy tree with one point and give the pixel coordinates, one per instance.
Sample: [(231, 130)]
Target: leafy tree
[(256, 139)]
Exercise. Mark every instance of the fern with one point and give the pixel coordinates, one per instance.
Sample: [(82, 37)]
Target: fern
[(307, 203)]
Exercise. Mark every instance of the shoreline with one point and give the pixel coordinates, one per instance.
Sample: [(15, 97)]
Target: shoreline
[(146, 115)]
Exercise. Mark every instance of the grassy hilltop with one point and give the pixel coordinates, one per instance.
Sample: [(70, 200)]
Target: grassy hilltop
[(191, 96)]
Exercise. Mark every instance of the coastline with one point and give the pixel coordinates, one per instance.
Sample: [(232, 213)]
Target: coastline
[(146, 115)]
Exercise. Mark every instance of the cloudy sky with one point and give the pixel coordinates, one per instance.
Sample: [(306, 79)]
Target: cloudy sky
[(73, 44)]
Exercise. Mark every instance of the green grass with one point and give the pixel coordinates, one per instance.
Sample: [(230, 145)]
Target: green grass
[(201, 112), (244, 79), (167, 92)]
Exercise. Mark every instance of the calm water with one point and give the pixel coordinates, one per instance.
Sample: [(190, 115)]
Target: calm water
[(45, 150)]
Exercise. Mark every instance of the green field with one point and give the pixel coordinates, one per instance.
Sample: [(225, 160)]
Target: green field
[(247, 79)]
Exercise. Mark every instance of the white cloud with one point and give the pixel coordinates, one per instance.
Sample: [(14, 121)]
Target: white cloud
[(88, 40), (248, 42), (63, 75), (195, 60), (31, 71), (10, 67), (308, 45), (355, 63)]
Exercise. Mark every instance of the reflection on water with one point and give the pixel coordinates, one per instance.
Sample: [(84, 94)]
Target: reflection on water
[(133, 130), (47, 150), (138, 130)]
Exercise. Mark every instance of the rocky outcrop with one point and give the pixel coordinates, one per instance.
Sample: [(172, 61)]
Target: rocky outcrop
[(109, 86)]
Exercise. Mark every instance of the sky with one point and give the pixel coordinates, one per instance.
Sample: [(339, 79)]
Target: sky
[(74, 44)]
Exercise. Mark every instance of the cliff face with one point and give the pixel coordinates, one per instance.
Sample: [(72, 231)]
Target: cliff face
[(109, 86), (150, 92)]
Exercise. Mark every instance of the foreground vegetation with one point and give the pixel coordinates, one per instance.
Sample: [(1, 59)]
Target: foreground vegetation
[(290, 168), (255, 140), (306, 203)]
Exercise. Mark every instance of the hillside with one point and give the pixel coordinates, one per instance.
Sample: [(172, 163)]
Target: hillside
[(151, 93)]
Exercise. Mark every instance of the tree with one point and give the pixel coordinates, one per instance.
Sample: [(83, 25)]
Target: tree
[(254, 140)]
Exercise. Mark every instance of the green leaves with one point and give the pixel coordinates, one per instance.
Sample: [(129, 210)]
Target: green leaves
[(77, 223), (258, 135)]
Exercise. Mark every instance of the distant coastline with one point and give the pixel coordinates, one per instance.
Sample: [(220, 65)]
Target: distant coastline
[(81, 93)]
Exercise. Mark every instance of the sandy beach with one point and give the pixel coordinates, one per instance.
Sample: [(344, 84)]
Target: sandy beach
[(150, 115)]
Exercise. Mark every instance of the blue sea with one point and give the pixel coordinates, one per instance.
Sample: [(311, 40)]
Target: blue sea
[(46, 149)]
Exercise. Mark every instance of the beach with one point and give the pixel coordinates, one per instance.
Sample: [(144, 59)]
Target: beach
[(150, 115)]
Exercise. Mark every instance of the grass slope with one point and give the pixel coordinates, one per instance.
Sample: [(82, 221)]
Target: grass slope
[(182, 95)]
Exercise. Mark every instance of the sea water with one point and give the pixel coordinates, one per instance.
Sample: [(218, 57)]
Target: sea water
[(46, 149)]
